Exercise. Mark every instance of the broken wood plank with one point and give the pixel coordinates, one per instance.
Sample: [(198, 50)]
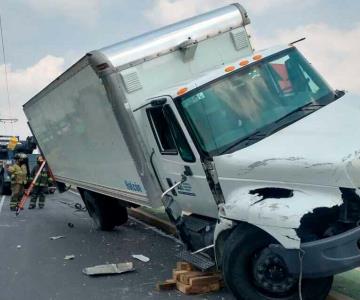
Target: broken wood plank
[(184, 266), (167, 285), (185, 278), (197, 289), (205, 280), (177, 273), (188, 280)]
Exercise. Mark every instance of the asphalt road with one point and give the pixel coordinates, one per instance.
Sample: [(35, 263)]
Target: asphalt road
[(37, 269), (33, 267)]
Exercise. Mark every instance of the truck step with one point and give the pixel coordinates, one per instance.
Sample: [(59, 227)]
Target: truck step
[(198, 260)]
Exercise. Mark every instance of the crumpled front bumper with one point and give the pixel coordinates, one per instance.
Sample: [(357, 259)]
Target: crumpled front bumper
[(324, 257)]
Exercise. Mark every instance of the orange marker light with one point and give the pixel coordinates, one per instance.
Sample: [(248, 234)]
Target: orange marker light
[(182, 91), (257, 57), (229, 69), (244, 63)]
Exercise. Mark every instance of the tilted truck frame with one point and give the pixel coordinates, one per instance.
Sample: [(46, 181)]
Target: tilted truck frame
[(253, 155)]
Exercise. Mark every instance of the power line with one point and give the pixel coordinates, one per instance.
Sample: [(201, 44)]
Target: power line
[(5, 68)]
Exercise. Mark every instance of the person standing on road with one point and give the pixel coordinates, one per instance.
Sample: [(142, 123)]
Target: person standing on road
[(41, 184), (18, 173)]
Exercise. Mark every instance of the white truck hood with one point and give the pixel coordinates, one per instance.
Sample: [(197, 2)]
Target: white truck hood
[(321, 149)]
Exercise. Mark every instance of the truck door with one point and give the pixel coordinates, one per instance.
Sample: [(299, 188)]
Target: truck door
[(172, 153)]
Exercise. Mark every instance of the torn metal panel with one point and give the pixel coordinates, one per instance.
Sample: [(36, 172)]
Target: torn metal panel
[(272, 192), (287, 237), (278, 209), (222, 231), (222, 225), (353, 169)]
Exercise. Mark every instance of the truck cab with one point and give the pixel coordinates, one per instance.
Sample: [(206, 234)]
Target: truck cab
[(268, 141)]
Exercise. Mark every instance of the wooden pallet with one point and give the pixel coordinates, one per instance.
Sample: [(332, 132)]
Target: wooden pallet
[(188, 280)]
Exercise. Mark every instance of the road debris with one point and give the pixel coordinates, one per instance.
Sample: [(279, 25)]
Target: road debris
[(188, 280), (141, 257), (69, 257), (18, 246), (109, 269), (53, 238), (71, 225), (167, 285)]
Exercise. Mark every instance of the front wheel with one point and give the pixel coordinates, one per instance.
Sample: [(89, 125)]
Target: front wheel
[(252, 271)]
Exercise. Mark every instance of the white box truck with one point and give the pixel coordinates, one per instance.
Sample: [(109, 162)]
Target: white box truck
[(254, 156)]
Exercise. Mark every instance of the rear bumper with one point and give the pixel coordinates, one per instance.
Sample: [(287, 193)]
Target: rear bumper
[(325, 257)]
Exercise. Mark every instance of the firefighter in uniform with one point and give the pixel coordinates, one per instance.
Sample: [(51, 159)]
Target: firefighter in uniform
[(18, 172), (41, 184)]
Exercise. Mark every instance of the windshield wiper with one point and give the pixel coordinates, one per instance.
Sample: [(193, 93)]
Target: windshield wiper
[(248, 138), (310, 107), (277, 125)]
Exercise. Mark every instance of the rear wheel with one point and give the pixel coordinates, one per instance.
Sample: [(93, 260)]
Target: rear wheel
[(252, 271), (107, 212)]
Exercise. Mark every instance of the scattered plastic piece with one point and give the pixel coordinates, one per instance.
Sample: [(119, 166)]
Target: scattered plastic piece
[(141, 257), (18, 246), (53, 238), (69, 257), (109, 269)]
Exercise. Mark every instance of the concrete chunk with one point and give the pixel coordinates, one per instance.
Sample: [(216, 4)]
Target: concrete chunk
[(141, 257), (109, 269)]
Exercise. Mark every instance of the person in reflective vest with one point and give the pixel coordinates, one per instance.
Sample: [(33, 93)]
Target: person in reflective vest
[(18, 173), (41, 184)]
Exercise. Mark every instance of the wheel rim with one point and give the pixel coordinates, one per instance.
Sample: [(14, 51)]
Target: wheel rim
[(271, 275)]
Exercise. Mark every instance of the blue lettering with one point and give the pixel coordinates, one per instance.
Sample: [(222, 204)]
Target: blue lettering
[(131, 186)]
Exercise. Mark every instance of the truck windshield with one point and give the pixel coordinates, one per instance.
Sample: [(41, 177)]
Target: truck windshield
[(224, 113)]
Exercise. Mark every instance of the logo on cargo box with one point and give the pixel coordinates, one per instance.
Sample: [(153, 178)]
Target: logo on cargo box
[(133, 186)]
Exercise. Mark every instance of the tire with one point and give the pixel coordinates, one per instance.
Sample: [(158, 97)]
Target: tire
[(107, 212), (245, 254)]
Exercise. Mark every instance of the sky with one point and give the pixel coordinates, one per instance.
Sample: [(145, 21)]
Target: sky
[(43, 38)]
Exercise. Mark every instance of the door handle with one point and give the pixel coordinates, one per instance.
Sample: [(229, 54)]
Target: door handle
[(183, 179), (170, 183)]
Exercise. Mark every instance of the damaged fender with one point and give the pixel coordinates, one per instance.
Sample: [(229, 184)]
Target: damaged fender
[(277, 209)]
